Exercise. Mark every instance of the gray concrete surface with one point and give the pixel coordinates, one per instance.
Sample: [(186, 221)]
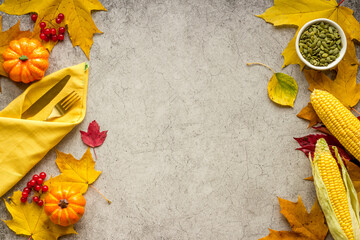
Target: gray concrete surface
[(195, 148)]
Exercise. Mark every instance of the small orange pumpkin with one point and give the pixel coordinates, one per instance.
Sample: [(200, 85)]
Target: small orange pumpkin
[(64, 205), (25, 60)]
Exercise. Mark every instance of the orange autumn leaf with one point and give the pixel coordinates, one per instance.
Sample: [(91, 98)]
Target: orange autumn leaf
[(302, 11), (78, 20), (304, 225), (6, 37), (308, 113)]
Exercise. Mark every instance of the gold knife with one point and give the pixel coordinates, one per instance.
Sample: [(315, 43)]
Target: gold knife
[(45, 99)]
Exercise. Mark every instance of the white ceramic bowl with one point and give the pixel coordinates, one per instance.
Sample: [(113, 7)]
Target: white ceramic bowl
[(342, 51)]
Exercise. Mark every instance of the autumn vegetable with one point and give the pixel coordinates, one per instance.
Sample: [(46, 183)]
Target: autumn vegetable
[(65, 205), (338, 120), (76, 15), (336, 193), (25, 60)]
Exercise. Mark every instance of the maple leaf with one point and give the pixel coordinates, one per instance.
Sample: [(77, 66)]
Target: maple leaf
[(302, 11), (93, 137), (6, 37), (343, 87), (304, 225), (31, 220), (81, 173), (80, 25), (308, 113), (308, 143)]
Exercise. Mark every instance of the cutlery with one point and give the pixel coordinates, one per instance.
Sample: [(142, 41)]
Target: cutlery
[(45, 99), (64, 105)]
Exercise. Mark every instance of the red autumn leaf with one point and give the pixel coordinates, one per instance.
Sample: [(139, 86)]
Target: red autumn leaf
[(93, 137), (322, 128), (308, 143)]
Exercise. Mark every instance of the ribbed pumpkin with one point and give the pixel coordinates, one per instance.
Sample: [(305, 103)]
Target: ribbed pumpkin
[(25, 60), (64, 205)]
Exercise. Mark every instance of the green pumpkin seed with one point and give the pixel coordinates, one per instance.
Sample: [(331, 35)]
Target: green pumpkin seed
[(320, 44)]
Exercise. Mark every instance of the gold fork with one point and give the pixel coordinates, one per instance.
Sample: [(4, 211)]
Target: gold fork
[(64, 105)]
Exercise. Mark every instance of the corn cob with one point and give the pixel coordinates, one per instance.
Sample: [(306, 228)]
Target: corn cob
[(336, 194), (338, 120)]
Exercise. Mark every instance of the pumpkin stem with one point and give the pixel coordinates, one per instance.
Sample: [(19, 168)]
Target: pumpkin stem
[(63, 203), (23, 58)]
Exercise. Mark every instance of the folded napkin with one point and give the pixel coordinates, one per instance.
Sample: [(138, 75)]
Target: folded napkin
[(24, 142)]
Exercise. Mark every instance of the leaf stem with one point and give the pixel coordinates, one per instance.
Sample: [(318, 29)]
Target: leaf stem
[(109, 202), (262, 64), (341, 2), (30, 237), (95, 154)]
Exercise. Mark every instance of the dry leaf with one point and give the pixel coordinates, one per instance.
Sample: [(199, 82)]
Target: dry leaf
[(31, 220), (344, 87), (93, 137), (81, 172), (6, 37), (354, 172), (308, 113), (302, 11), (308, 144), (282, 88), (304, 225), (80, 25)]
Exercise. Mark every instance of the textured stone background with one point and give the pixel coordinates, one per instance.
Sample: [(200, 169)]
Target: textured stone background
[(195, 149)]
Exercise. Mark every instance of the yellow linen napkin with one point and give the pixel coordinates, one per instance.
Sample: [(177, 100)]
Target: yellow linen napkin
[(24, 142)]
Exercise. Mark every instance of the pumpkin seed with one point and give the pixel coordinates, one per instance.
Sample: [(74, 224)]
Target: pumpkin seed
[(320, 44)]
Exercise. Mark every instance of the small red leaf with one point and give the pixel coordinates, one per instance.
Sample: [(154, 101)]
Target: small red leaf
[(93, 137)]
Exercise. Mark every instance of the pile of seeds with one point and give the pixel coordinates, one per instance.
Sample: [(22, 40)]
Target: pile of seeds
[(320, 44)]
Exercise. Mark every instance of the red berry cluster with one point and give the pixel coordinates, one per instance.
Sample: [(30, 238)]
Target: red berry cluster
[(35, 183), (50, 33)]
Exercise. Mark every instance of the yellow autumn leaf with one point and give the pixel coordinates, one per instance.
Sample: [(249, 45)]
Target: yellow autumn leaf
[(343, 87), (6, 37), (80, 173), (302, 11), (282, 88), (31, 220), (78, 20)]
